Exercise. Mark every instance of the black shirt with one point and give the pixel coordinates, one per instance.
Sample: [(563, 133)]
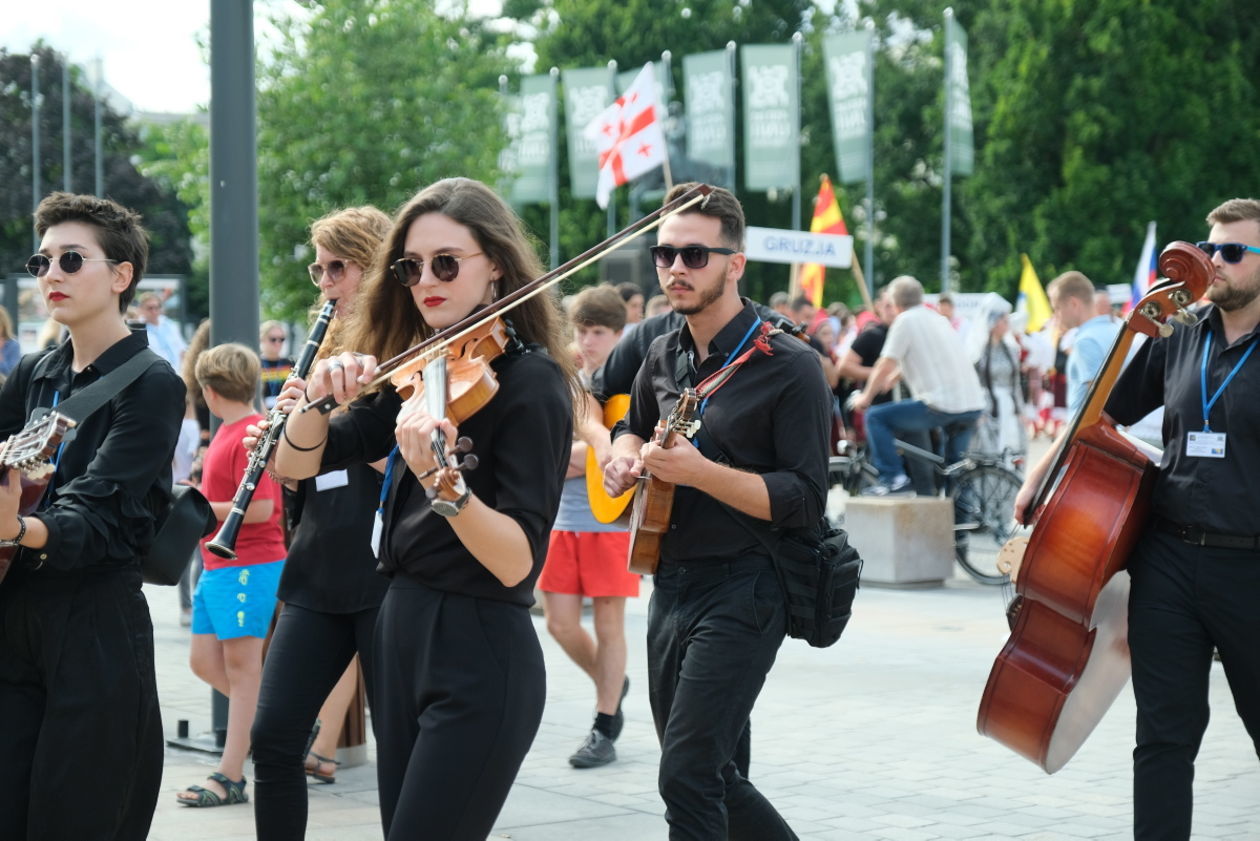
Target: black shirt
[(867, 345), (330, 567), (521, 438), (1216, 494), (773, 417), (115, 475)]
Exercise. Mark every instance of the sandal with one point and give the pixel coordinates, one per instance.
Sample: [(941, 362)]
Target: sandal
[(207, 797), (313, 769)]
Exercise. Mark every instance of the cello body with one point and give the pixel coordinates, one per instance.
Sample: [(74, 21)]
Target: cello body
[(1068, 654)]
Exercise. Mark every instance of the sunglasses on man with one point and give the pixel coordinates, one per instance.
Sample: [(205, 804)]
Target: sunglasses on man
[(693, 256), (1231, 252), (445, 267), (69, 261)]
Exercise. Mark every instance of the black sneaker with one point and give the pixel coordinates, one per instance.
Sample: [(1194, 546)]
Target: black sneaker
[(597, 750), (619, 720)]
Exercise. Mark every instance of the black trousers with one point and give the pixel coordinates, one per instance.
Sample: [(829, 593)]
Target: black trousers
[(460, 686), (714, 631), (309, 652), (1185, 601), (80, 727)]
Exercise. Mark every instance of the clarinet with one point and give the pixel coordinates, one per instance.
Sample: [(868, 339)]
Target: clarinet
[(223, 544)]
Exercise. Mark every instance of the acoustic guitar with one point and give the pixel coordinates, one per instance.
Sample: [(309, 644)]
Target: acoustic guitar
[(653, 498), (30, 453), (607, 509), (1068, 654)]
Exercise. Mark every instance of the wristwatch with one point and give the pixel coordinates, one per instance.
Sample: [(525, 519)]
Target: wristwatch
[(6, 544), (450, 507)]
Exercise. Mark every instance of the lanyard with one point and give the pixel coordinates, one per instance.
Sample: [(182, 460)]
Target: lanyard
[(1208, 404), (388, 480), (729, 359)]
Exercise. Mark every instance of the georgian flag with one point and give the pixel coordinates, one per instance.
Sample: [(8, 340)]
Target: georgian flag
[(628, 136)]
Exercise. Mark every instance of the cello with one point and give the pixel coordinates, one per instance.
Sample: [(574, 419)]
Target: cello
[(1067, 657)]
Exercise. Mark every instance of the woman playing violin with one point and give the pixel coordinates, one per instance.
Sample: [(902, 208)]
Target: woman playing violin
[(459, 672)]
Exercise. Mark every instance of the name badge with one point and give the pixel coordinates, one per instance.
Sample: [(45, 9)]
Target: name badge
[(332, 479), (1205, 444), (378, 526)]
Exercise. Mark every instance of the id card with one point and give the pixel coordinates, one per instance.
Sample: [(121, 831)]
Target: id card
[(378, 526), (1205, 444), (332, 479)]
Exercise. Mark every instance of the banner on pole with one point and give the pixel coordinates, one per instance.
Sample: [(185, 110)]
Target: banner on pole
[(710, 108), (509, 155), (772, 117), (848, 91), (962, 141), (827, 220), (537, 139), (587, 92)]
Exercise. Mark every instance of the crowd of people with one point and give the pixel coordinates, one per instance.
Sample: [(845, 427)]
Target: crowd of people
[(389, 559)]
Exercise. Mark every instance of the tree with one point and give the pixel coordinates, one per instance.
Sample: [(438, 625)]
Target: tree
[(365, 102), (164, 215)]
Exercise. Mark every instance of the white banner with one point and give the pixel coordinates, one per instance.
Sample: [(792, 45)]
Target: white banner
[(775, 245)]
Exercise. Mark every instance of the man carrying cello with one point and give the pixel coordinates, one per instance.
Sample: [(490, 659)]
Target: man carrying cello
[(1196, 572)]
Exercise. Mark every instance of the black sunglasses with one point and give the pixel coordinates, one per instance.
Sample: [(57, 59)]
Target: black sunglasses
[(70, 262), (693, 256), (445, 267), (335, 269), (1231, 252)]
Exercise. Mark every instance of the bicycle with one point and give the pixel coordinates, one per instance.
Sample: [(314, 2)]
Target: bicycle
[(982, 487)]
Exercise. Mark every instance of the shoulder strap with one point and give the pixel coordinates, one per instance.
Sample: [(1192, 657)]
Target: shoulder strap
[(82, 404)]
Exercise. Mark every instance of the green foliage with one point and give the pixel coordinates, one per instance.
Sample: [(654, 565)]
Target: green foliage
[(365, 102)]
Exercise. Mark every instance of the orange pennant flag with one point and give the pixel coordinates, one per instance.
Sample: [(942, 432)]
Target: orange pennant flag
[(827, 220)]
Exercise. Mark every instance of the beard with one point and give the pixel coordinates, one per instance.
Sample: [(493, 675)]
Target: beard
[(1236, 295), (707, 297)]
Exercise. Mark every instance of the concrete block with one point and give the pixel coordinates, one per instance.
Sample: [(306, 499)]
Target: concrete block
[(904, 541)]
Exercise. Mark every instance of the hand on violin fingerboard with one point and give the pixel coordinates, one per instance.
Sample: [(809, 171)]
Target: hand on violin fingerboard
[(414, 434)]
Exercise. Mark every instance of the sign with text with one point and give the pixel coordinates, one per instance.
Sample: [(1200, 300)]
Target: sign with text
[(587, 92), (849, 92), (775, 245), (537, 138), (709, 85), (772, 117)]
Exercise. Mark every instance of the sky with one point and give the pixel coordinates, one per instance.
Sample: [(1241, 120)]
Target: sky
[(148, 48)]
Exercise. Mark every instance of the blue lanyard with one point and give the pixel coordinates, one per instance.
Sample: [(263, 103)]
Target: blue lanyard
[(388, 480), (1208, 404), (731, 358)]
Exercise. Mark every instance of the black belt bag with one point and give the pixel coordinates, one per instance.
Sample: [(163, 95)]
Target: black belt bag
[(1198, 537)]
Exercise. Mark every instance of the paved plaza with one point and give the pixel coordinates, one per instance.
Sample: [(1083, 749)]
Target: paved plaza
[(871, 740)]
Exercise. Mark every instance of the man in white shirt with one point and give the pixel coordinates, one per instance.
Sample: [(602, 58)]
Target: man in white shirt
[(164, 337), (923, 349)]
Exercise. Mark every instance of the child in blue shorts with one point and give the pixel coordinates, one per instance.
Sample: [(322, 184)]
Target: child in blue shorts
[(234, 600)]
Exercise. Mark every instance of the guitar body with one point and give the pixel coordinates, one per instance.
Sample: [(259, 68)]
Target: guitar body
[(607, 509), (649, 521), (1068, 654), (29, 453)]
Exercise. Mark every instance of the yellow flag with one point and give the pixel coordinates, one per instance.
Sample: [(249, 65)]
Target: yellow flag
[(1032, 298)]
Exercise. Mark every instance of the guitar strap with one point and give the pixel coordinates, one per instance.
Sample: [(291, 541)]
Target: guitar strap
[(80, 405)]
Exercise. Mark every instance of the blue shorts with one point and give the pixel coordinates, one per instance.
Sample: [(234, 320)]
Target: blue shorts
[(235, 602)]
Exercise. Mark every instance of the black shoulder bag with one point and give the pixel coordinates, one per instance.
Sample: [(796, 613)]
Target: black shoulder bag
[(188, 518)]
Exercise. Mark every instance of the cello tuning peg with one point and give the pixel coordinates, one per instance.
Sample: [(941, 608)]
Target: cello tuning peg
[(463, 444), (469, 463), (1165, 330), (1186, 317)]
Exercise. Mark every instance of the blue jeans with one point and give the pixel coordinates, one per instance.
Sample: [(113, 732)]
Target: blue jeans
[(884, 420)]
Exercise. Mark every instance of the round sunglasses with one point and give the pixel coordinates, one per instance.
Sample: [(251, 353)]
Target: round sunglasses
[(336, 269), (1231, 252), (693, 256), (69, 261), (445, 267)]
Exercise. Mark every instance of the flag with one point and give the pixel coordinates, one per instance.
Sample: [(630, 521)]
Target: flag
[(1032, 298), (827, 220), (628, 136), (1144, 274)]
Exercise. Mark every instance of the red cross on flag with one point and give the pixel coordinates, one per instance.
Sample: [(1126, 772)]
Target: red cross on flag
[(628, 136)]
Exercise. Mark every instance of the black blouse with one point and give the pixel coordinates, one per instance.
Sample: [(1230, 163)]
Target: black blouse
[(522, 440)]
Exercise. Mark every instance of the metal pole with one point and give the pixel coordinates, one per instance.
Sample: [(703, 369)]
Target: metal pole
[(99, 164), (553, 169), (945, 193), (611, 212), (797, 38), (730, 112), (869, 256), (36, 189), (66, 158)]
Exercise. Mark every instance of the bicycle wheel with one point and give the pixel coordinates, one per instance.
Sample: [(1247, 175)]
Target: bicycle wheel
[(984, 500)]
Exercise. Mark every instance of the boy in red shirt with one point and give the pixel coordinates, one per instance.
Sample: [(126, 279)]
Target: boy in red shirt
[(235, 599)]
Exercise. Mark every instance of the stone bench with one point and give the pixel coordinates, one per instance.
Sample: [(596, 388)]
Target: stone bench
[(904, 541)]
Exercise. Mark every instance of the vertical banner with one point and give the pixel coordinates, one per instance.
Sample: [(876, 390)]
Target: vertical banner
[(510, 155), (962, 143), (848, 91), (587, 92), (537, 133), (708, 83), (772, 117)]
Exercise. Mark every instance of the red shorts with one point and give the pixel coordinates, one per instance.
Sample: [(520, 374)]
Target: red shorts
[(589, 563)]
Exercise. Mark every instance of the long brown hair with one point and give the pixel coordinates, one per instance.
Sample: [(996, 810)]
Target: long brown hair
[(354, 234), (386, 321)]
